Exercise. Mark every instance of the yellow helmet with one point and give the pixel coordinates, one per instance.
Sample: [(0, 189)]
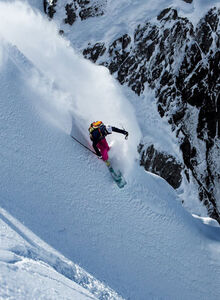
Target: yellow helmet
[(95, 125)]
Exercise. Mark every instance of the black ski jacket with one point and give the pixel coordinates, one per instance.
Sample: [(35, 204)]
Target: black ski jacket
[(105, 132)]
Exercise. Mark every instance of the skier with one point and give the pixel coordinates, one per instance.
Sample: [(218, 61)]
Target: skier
[(98, 131)]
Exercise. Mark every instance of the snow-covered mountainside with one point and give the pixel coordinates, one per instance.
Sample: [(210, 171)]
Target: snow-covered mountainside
[(171, 47), (31, 269), (138, 242)]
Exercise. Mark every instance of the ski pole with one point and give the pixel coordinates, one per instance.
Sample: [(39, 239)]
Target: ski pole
[(126, 137), (83, 145)]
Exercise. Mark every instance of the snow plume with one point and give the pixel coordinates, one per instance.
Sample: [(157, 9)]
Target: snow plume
[(74, 86)]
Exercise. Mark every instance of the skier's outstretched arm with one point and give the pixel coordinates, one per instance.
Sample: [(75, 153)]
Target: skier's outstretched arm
[(115, 129)]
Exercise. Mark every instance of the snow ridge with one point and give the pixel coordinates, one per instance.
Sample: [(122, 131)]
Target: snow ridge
[(25, 250)]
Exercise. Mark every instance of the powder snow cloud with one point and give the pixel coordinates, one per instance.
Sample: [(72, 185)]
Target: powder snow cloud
[(68, 83)]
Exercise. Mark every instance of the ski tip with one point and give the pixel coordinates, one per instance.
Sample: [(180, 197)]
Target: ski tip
[(121, 186)]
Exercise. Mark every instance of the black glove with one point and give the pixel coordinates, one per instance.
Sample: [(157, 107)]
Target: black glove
[(126, 135)]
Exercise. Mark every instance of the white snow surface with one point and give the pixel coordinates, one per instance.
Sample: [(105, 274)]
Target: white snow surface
[(138, 240), (24, 275), (31, 269)]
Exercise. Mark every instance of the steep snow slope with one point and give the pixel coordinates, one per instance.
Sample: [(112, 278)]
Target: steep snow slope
[(138, 240), (30, 269), (92, 87)]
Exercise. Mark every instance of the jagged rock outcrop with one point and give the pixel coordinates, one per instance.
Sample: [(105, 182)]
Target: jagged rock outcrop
[(188, 1), (181, 63), (162, 164), (82, 9), (49, 7)]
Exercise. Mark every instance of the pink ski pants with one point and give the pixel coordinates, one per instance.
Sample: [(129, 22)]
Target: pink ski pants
[(104, 148)]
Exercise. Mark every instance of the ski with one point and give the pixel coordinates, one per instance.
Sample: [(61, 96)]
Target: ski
[(118, 177)]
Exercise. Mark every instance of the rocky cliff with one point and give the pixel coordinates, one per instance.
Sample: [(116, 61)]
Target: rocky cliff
[(181, 63)]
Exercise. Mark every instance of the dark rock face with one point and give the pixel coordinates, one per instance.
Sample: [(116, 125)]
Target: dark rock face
[(71, 15), (188, 1), (182, 64), (49, 8), (94, 52), (82, 9), (162, 164)]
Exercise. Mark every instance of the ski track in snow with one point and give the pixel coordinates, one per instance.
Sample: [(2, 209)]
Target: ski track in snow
[(138, 240)]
